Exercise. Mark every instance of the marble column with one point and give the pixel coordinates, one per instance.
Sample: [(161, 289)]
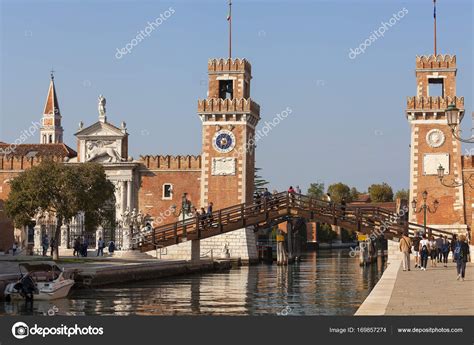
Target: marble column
[(127, 238), (129, 195), (99, 233), (123, 196), (64, 236), (37, 239)]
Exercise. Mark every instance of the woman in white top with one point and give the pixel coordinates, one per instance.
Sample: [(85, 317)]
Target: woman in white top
[(424, 250)]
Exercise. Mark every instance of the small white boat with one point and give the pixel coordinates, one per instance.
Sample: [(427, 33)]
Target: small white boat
[(40, 281)]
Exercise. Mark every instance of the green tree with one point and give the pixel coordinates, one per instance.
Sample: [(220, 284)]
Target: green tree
[(402, 194), (63, 190), (354, 193), (381, 192), (316, 190), (259, 182), (339, 191)]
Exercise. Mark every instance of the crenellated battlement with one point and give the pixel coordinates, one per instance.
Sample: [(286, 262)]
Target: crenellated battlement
[(433, 103), (22, 162), (226, 65), (219, 105), (168, 162), (435, 62)]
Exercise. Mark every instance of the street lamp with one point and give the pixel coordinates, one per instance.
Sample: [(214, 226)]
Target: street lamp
[(453, 183), (184, 211), (454, 117), (425, 208)]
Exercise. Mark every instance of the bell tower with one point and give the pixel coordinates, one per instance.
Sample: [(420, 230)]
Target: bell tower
[(51, 131), (229, 117), (432, 142)]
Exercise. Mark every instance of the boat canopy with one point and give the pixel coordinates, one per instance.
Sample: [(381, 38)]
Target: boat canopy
[(41, 266)]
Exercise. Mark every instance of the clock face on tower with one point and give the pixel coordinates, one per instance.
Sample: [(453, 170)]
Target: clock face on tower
[(223, 141)]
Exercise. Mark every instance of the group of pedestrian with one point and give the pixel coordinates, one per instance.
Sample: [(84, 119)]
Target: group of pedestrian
[(264, 198), (46, 243), (436, 250), (80, 247), (204, 215)]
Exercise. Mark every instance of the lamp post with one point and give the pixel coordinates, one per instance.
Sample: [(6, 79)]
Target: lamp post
[(184, 210), (453, 183), (454, 117), (425, 208)]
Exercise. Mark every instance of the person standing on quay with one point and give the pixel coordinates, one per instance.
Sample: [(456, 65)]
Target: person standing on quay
[(405, 248), (461, 255), (439, 247), (45, 244), (416, 249), (53, 244), (453, 245), (76, 247), (100, 247), (424, 252)]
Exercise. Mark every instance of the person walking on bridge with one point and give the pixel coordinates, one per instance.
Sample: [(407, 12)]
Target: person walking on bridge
[(405, 248), (343, 208), (291, 193), (209, 214), (298, 190)]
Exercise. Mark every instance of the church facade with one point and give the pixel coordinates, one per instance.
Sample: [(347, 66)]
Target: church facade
[(154, 187)]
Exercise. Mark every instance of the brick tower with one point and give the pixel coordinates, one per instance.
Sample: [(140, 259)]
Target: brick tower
[(229, 118), (51, 131), (432, 142)]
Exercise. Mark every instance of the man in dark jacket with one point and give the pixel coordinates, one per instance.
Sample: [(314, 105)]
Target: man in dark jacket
[(461, 254)]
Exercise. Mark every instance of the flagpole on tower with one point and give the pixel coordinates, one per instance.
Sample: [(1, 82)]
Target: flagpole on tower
[(434, 17), (229, 19)]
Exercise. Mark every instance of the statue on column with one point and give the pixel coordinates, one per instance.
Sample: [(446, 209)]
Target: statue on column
[(126, 218), (102, 102)]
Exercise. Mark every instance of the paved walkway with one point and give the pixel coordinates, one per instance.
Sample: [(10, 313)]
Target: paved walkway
[(432, 292)]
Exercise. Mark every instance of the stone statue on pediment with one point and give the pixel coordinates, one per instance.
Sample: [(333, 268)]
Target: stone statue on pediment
[(103, 148)]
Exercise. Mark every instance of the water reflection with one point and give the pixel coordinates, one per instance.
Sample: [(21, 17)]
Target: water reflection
[(324, 283)]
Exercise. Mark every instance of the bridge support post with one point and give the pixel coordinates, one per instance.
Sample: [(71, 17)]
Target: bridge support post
[(337, 230), (289, 232), (364, 253), (195, 251)]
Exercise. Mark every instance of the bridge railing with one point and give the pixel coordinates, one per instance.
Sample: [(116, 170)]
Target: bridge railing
[(285, 203)]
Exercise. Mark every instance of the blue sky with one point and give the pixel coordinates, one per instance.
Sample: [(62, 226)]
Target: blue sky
[(348, 120)]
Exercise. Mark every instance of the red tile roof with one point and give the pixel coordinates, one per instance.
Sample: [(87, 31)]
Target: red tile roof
[(37, 150)]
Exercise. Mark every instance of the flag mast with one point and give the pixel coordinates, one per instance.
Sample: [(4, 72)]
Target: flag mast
[(229, 19), (434, 17)]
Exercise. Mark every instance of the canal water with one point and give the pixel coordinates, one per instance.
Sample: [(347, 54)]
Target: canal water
[(328, 282)]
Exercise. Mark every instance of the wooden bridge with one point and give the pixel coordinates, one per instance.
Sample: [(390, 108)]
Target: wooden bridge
[(280, 208)]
